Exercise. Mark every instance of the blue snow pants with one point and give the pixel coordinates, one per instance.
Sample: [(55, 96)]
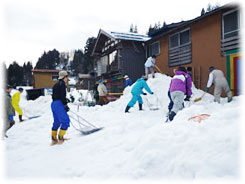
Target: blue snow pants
[(61, 118), (171, 103), (135, 98)]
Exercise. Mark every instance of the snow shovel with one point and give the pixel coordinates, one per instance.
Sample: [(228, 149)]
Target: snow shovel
[(198, 99), (158, 69), (32, 115), (151, 106), (85, 128)]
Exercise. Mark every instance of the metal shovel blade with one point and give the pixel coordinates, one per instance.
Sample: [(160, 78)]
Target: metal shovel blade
[(90, 131)]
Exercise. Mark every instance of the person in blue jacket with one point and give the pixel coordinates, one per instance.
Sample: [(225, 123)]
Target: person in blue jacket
[(60, 108), (136, 91), (128, 81)]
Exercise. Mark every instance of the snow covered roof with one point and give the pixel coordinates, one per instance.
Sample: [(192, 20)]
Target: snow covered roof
[(103, 36), (126, 36)]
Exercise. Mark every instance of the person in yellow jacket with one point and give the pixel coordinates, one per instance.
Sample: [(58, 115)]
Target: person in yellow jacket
[(15, 103)]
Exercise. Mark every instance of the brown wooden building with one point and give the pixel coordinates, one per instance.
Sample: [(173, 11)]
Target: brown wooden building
[(119, 54), (43, 78), (209, 40)]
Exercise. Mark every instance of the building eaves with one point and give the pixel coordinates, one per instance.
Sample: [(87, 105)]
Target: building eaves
[(162, 32)]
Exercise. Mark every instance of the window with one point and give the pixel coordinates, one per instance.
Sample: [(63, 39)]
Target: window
[(174, 42), (231, 24), (180, 38), (55, 77), (153, 49)]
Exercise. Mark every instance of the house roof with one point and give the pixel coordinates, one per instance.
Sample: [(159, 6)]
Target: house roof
[(104, 35), (174, 26), (124, 36), (45, 71)]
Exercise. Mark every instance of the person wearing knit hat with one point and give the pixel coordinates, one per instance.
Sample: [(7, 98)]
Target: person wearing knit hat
[(128, 81)]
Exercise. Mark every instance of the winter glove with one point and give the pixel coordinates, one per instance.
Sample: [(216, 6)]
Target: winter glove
[(144, 93), (11, 117), (67, 108), (68, 100), (207, 89), (152, 93), (187, 98)]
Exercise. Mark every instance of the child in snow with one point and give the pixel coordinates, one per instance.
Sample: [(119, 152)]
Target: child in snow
[(10, 112), (149, 65), (102, 93), (137, 91), (217, 78), (128, 81), (16, 101), (60, 108), (179, 86)]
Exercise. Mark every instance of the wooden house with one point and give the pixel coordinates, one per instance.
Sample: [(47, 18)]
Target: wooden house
[(44, 78), (212, 39), (85, 81), (119, 54)]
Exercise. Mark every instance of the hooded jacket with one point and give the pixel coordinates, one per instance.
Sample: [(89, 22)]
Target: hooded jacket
[(139, 86), (179, 82)]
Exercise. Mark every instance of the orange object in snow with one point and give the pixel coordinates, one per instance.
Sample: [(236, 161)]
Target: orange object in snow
[(199, 118)]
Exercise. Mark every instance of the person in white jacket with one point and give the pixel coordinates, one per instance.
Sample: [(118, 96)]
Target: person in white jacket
[(217, 78), (102, 93), (149, 65)]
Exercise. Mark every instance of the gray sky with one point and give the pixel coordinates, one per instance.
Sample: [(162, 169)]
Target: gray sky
[(31, 27)]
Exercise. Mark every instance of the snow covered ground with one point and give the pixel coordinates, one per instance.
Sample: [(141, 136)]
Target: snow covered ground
[(137, 146)]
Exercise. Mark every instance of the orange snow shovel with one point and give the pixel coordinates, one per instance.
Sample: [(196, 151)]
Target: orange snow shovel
[(198, 99), (199, 118)]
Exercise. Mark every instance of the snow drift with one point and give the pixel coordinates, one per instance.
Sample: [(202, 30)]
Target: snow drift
[(132, 146)]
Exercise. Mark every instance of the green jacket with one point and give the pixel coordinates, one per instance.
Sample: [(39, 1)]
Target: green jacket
[(9, 106)]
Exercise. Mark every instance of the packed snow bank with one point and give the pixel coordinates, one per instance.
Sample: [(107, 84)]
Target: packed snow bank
[(138, 145)]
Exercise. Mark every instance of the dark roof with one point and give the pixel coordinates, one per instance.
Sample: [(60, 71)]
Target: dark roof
[(46, 71)]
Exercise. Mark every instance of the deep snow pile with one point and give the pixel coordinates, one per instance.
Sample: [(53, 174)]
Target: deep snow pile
[(137, 145)]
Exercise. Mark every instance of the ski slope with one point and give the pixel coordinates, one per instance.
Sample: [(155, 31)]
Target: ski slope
[(132, 146)]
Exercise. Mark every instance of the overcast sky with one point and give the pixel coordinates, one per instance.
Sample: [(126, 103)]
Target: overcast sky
[(31, 27)]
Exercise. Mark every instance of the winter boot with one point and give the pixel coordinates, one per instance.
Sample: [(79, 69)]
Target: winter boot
[(140, 107), (171, 115), (229, 94), (127, 108), (229, 99), (54, 137), (20, 118), (61, 136)]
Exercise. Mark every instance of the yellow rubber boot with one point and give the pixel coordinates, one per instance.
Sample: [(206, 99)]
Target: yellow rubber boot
[(61, 135), (54, 137)]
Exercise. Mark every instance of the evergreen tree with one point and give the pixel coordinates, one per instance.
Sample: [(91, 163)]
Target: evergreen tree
[(131, 30), (164, 24), (15, 74), (77, 61), (48, 60), (202, 12), (135, 29), (88, 63)]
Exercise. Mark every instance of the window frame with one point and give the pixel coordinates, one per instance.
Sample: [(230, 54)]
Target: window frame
[(55, 77), (149, 49), (223, 23), (178, 33)]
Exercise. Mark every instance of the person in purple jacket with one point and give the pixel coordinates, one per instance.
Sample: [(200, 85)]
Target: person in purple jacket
[(180, 86)]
